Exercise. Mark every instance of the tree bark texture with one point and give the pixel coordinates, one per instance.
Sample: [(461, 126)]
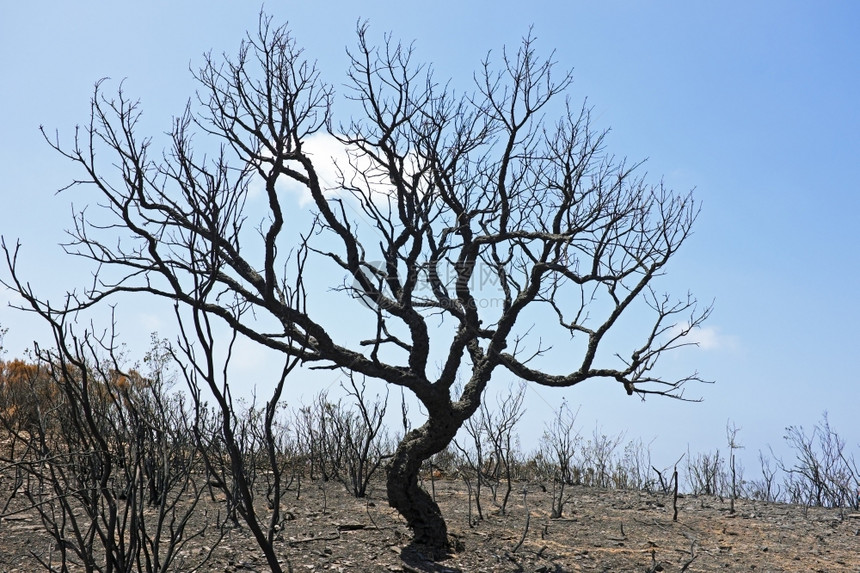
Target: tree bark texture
[(422, 514)]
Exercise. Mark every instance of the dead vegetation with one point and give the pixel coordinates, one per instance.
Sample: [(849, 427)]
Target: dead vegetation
[(604, 530), (111, 470)]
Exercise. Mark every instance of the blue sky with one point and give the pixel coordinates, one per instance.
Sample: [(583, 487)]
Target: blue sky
[(755, 104)]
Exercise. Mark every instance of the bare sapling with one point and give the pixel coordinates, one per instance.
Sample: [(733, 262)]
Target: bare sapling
[(205, 367), (766, 488), (560, 441), (363, 437), (499, 428), (705, 473), (823, 473), (736, 480), (474, 460), (598, 458)]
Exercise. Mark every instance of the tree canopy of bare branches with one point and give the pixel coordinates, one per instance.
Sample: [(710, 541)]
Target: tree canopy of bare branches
[(440, 189)]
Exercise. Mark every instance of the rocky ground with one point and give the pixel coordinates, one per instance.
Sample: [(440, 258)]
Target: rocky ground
[(603, 530)]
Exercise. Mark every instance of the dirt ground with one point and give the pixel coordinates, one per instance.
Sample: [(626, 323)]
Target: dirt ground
[(603, 530)]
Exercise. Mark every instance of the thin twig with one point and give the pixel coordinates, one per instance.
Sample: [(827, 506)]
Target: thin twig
[(692, 556), (528, 520), (294, 542)]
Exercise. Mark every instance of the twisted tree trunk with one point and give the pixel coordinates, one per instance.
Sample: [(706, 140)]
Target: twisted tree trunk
[(422, 514)]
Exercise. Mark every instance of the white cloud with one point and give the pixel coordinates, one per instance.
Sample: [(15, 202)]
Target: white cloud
[(327, 154), (333, 163), (706, 337)]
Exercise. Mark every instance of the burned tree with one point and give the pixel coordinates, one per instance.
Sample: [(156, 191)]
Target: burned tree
[(439, 191)]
